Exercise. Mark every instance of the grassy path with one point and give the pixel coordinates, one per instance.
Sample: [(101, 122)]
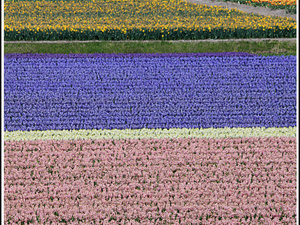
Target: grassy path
[(282, 46)]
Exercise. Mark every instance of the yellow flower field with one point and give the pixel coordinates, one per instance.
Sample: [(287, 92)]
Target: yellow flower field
[(276, 2), (144, 17)]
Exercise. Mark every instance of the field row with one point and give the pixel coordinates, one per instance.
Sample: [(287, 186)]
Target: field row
[(148, 91), (203, 181), (151, 133), (135, 20), (289, 5)]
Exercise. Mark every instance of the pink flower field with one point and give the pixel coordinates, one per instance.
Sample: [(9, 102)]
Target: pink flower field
[(151, 181)]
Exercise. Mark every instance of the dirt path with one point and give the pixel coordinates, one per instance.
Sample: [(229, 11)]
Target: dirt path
[(245, 8)]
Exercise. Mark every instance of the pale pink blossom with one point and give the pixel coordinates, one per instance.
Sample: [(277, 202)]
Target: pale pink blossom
[(136, 180)]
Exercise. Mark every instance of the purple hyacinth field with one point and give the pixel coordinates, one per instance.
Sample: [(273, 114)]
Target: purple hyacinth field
[(134, 91), (194, 138)]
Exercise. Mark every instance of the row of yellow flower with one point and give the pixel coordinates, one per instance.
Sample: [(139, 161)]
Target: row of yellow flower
[(151, 133), (276, 2), (103, 15)]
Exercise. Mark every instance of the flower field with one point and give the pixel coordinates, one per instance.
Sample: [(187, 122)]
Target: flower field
[(189, 138), (152, 181), (135, 20), (289, 5), (59, 92), (277, 2)]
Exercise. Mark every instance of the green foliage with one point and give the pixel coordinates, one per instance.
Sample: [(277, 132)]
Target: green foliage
[(257, 47), (137, 34)]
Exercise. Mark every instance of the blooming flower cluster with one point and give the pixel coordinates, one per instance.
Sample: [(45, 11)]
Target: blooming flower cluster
[(150, 181), (138, 20), (67, 92), (289, 5)]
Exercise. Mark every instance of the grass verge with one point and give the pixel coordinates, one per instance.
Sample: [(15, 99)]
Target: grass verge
[(259, 47)]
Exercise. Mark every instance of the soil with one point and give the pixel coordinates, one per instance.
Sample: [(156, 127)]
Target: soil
[(246, 8)]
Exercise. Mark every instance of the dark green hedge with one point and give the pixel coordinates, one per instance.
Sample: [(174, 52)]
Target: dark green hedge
[(136, 34)]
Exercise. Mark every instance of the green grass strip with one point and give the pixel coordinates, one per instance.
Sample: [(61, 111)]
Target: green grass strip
[(256, 47), (150, 133)]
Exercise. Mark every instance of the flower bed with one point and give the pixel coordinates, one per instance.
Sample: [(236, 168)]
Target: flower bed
[(66, 92), (202, 181), (135, 20), (204, 138)]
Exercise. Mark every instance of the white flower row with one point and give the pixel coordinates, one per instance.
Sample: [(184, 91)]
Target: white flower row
[(151, 133)]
